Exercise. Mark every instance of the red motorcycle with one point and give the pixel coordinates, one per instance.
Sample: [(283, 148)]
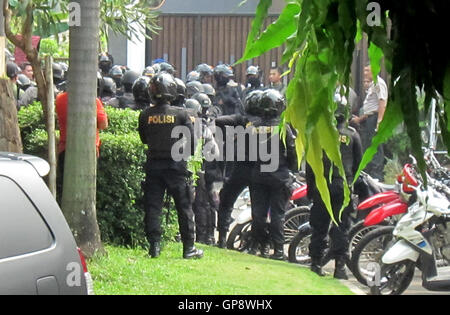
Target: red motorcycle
[(298, 251), (390, 206)]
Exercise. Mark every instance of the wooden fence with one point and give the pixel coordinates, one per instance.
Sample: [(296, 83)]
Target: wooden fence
[(186, 41)]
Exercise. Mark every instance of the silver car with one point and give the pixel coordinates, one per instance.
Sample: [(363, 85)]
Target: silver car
[(38, 254)]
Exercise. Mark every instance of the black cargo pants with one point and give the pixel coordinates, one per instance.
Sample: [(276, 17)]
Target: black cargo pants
[(239, 179), (320, 223), (177, 185), (269, 197)]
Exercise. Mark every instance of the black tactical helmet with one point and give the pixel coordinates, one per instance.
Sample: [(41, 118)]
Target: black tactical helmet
[(163, 88), (203, 99), (223, 74), (128, 80), (109, 87), (194, 106), (12, 70), (105, 62), (149, 71), (140, 90), (116, 74), (252, 102), (193, 76), (193, 87), (209, 90), (341, 112), (181, 88), (104, 57), (58, 72), (156, 67), (205, 71), (116, 71), (166, 67), (253, 70), (204, 68), (272, 103), (23, 81), (181, 93), (223, 70)]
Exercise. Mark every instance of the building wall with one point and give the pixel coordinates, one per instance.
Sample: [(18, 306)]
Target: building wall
[(188, 40), (197, 31), (212, 32)]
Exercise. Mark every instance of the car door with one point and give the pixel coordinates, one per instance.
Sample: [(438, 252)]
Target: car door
[(25, 241)]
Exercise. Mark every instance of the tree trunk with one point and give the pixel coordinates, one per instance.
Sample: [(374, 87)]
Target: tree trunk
[(80, 169), (51, 125), (10, 140)]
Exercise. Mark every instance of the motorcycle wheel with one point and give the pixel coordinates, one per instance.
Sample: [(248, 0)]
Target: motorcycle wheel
[(394, 279), (240, 237), (357, 232), (293, 218), (298, 251), (369, 251)]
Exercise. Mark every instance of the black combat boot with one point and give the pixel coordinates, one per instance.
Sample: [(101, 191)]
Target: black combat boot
[(155, 249), (222, 243), (339, 268), (316, 266), (278, 252), (189, 252), (264, 250)]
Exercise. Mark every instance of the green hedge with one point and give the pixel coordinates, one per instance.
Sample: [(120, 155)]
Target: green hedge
[(120, 211)]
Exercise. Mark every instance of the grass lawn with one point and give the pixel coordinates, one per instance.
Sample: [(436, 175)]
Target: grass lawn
[(219, 272)]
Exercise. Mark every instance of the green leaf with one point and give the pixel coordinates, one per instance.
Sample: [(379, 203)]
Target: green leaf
[(261, 14), (375, 56), (275, 34), (359, 35), (314, 156)]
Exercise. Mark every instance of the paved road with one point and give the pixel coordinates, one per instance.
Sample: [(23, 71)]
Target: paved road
[(415, 287)]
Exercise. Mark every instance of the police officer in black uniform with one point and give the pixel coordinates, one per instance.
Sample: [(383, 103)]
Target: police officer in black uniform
[(181, 93), (271, 180), (141, 93), (126, 100), (227, 97), (206, 72), (253, 80), (105, 63), (162, 171), (351, 153), (241, 172)]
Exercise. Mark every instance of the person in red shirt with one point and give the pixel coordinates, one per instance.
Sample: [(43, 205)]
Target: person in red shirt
[(61, 112)]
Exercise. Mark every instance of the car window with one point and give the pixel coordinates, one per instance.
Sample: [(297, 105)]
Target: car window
[(22, 229)]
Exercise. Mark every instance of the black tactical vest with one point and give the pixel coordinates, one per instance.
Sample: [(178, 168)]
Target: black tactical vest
[(155, 129)]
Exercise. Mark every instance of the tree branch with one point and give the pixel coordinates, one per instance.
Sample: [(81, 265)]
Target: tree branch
[(27, 29), (9, 34), (25, 43)]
